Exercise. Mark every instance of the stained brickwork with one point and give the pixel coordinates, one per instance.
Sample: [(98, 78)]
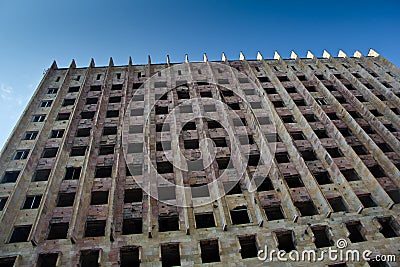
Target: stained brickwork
[(77, 183)]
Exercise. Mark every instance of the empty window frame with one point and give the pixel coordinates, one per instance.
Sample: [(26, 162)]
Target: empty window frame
[(367, 200), (20, 233), (285, 240), (116, 86), (95, 228), (350, 175), (274, 212), (66, 199), (322, 177), (91, 100), (63, 116), (114, 99), (83, 132), (356, 231), (47, 260), (129, 256), (133, 195), (89, 258), (168, 223), (10, 177), (74, 89), (95, 88), (132, 226), (72, 173), (389, 227), (39, 118), (321, 236), (248, 246), (112, 114), (209, 251), (294, 181), (3, 201), (32, 202), (204, 220), (57, 133), (282, 157), (30, 135), (78, 151), (21, 154), (99, 198), (58, 231), (240, 215), (52, 91), (170, 255), (338, 204), (110, 130), (103, 172), (68, 102), (46, 103), (87, 115), (106, 150), (49, 152), (306, 208)]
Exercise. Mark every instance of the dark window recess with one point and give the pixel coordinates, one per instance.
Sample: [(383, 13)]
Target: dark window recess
[(57, 133), (20, 234), (213, 124), (160, 97), (129, 256), (274, 212), (170, 223), (231, 189), (356, 231), (283, 78), (367, 200), (32, 202), (3, 202), (340, 99), (264, 184), (206, 94), (323, 178), (264, 79), (161, 110), (272, 138), (132, 226), (116, 87), (41, 175), (78, 151), (91, 100), (209, 251), (350, 175), (377, 171), (255, 105), (361, 98), (294, 181), (311, 88), (110, 131), (308, 155), (30, 136), (161, 146), (321, 133), (136, 85), (310, 117), (332, 116), (224, 163), (345, 132), (99, 198), (240, 122), (68, 102), (66, 199), (253, 160), (103, 172), (58, 231), (189, 126), (355, 114), (285, 240), (239, 215), (87, 115), (278, 103), (220, 142), (106, 150), (114, 99), (204, 220), (21, 154), (298, 136), (322, 238), (49, 152), (38, 118), (63, 116), (191, 144), (183, 94), (75, 88), (291, 90), (337, 204), (391, 128), (112, 113), (8, 261), (95, 228), (89, 258), (165, 167), (385, 148), (234, 106), (389, 227), (46, 260), (83, 132), (10, 177), (118, 75), (133, 195), (52, 91), (170, 255), (334, 152), (72, 173), (282, 157), (306, 208), (321, 101), (288, 119), (95, 88), (248, 246)]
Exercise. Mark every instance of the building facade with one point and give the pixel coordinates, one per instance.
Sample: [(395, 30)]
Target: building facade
[(200, 163)]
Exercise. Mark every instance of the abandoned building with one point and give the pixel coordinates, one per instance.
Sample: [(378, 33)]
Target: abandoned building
[(320, 137)]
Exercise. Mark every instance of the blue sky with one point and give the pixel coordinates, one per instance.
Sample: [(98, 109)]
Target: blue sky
[(34, 33)]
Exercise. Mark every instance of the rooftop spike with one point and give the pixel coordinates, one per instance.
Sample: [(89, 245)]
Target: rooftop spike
[(73, 65), (358, 54), (130, 61), (310, 54), (293, 55), (186, 58), (342, 54), (111, 63), (373, 53), (224, 59), (325, 54), (168, 60), (149, 60), (54, 65), (92, 65), (277, 56), (241, 56), (205, 59), (259, 56)]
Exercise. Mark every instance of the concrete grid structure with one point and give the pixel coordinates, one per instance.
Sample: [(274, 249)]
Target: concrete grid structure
[(73, 175)]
